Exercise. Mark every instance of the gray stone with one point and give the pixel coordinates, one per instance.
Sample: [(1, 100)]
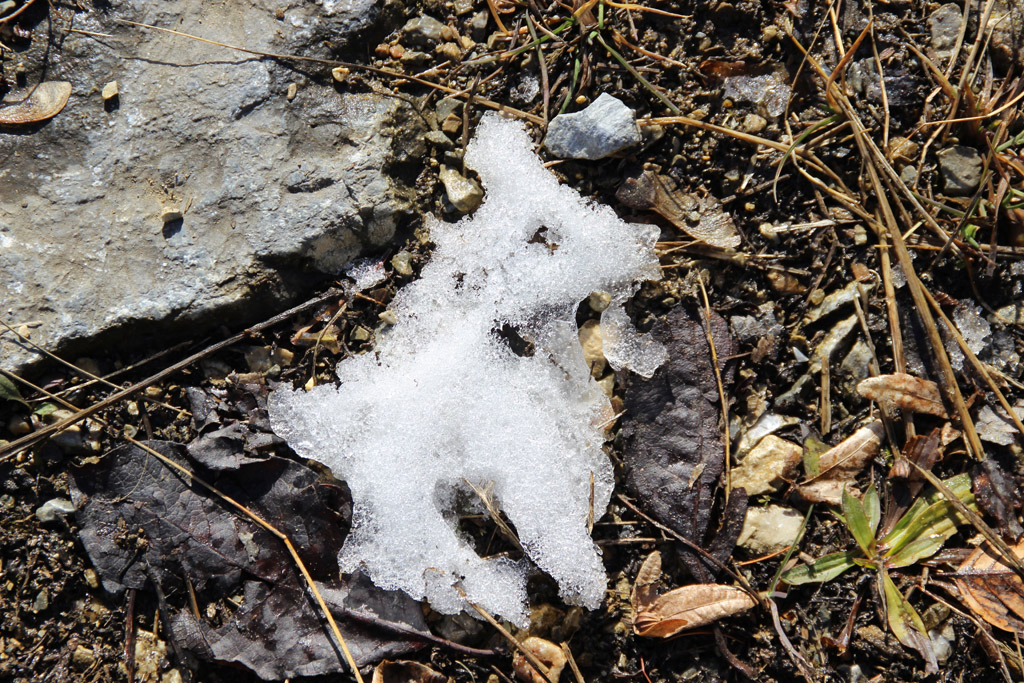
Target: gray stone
[(54, 508), (423, 31), (945, 25), (961, 169), (272, 193), (770, 529), (1007, 25), (602, 129)]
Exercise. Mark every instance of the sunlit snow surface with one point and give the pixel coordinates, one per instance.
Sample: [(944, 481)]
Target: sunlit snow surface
[(443, 400)]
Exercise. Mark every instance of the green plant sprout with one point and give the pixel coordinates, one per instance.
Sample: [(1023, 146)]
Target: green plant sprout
[(919, 534)]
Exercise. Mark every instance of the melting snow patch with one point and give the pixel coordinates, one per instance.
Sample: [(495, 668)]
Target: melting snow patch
[(444, 400)]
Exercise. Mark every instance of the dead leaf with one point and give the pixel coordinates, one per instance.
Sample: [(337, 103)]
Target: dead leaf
[(690, 607), (905, 392), (407, 672), (998, 494), (142, 522), (547, 653), (700, 217), (839, 465), (992, 590), (673, 448), (645, 588), (35, 104)]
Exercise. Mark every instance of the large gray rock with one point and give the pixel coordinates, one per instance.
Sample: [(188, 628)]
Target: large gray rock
[(272, 190)]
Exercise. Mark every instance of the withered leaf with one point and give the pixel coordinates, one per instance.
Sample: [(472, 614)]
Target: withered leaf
[(839, 465), (906, 392), (406, 672), (998, 495), (690, 607), (673, 448), (700, 217), (34, 104), (141, 520), (645, 588), (992, 590)]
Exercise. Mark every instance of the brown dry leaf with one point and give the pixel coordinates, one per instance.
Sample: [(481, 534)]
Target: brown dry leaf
[(699, 217), (839, 465), (645, 589), (689, 607), (549, 654), (407, 672), (35, 104), (992, 590), (906, 392)]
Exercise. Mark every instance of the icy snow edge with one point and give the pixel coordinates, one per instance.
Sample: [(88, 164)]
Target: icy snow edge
[(443, 400)]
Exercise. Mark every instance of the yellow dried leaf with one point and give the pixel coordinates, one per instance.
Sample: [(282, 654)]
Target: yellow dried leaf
[(690, 607), (906, 392), (839, 465), (35, 104), (645, 589)]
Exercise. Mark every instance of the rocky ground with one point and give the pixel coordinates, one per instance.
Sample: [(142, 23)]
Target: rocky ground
[(840, 194)]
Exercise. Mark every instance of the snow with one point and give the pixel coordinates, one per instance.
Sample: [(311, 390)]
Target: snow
[(443, 401)]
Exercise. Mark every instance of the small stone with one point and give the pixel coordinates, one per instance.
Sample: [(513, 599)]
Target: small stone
[(54, 508), (293, 90), (82, 657), (451, 124), (92, 580), (449, 51), (110, 91), (402, 263), (464, 194), (767, 465), (340, 74), (770, 529), (593, 349), (1007, 26), (388, 317), (605, 127), (945, 27), (423, 31), (478, 25), (599, 301), (19, 425), (415, 58), (860, 235), (903, 151), (360, 334), (169, 214), (439, 139), (753, 124), (42, 601), (961, 169)]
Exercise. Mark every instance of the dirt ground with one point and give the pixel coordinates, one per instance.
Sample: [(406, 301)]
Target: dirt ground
[(824, 174)]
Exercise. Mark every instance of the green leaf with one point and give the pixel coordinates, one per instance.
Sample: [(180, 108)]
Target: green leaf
[(857, 522), (44, 409), (924, 528), (824, 569), (872, 508), (9, 391), (905, 623)]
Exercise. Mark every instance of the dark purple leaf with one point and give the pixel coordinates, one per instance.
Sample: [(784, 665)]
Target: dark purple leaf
[(142, 520), (673, 440)]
